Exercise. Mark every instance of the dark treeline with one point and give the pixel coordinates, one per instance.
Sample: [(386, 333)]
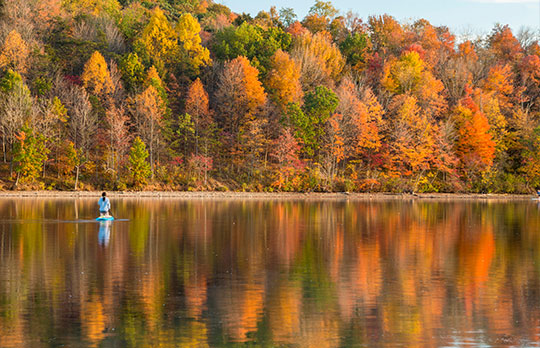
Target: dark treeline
[(107, 94)]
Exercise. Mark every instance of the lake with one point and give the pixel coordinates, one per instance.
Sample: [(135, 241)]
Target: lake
[(269, 273)]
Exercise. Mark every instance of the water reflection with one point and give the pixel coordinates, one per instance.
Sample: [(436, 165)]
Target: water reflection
[(104, 232), (270, 273)]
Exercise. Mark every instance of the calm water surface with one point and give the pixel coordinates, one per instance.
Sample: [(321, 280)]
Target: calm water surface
[(236, 273)]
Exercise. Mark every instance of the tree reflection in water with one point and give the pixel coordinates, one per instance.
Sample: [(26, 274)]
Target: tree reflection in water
[(270, 273)]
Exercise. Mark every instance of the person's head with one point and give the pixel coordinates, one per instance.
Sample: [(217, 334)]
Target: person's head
[(104, 194)]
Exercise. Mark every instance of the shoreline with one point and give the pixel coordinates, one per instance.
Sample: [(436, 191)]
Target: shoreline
[(264, 195)]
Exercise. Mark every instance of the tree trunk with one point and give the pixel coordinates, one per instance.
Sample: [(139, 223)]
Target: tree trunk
[(4, 148), (76, 177), (56, 161), (151, 161), (152, 149), (11, 162)]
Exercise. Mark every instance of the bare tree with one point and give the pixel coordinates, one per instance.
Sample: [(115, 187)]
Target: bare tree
[(113, 36), (95, 29), (18, 15), (117, 95), (16, 107), (148, 111), (118, 136), (82, 124)]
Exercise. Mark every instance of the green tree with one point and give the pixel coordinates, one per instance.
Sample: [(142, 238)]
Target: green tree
[(29, 154), (185, 133), (139, 168), (355, 48), (323, 9), (287, 16), (132, 71), (319, 16), (310, 121), (251, 41)]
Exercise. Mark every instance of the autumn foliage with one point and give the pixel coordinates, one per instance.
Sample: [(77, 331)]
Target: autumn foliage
[(223, 101)]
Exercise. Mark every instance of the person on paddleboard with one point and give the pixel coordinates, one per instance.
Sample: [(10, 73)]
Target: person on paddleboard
[(104, 205)]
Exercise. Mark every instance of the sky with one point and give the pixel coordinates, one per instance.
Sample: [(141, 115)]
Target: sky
[(462, 16)]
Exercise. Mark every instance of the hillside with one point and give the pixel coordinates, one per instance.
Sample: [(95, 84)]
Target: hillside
[(172, 95)]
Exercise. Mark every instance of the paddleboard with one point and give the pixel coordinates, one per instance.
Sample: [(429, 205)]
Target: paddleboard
[(105, 218)]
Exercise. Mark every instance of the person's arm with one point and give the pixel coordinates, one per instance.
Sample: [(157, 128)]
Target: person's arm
[(108, 204)]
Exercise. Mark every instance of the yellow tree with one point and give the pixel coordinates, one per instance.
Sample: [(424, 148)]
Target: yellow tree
[(96, 77), (320, 61), (14, 53), (283, 80), (158, 41), (409, 74), (410, 137), (403, 75), (194, 54), (95, 7)]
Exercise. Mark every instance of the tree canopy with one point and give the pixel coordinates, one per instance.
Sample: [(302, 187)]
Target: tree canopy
[(222, 100)]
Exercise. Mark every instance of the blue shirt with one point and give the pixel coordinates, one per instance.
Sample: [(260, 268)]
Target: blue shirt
[(104, 204)]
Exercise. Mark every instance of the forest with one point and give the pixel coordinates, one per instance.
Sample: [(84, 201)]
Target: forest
[(188, 95)]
